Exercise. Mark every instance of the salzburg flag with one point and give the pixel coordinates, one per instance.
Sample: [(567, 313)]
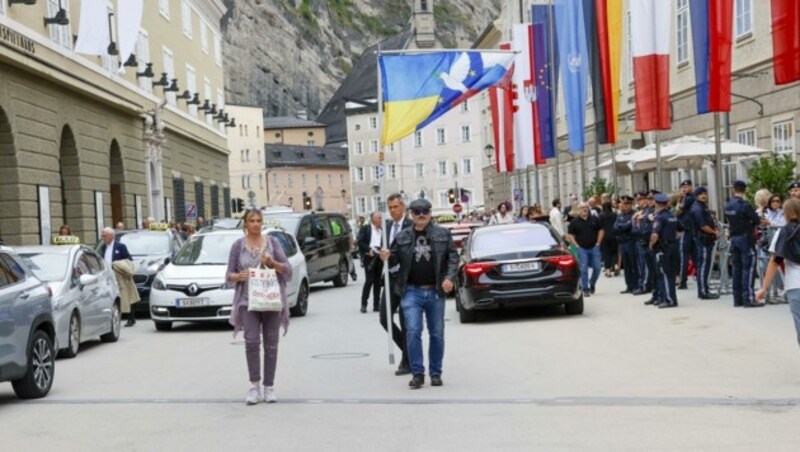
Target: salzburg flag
[(786, 40), (650, 42), (712, 28), (524, 129)]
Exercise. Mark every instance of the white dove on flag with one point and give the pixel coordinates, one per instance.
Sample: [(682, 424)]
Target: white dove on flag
[(454, 80)]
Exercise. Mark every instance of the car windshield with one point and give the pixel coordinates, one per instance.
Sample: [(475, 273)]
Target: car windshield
[(48, 267), (490, 241), (206, 250), (146, 243)]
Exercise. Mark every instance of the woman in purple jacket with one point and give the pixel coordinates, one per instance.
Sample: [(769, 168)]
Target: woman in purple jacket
[(251, 251)]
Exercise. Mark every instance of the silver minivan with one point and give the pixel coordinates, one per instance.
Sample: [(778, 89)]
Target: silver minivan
[(27, 334)]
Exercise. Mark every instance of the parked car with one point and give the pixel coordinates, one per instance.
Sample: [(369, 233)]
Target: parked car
[(86, 301), (151, 251), (325, 240), (27, 330), (220, 224), (192, 287), (516, 265)]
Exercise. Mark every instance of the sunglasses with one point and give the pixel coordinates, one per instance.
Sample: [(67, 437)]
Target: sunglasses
[(421, 211)]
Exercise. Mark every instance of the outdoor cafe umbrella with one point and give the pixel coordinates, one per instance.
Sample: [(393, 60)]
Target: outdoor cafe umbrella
[(692, 152)]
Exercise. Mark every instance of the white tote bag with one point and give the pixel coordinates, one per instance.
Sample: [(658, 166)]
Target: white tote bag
[(263, 291)]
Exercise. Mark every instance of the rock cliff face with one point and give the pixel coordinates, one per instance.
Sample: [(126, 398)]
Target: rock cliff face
[(291, 55)]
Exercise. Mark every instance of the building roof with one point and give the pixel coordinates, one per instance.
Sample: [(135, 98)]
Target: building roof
[(361, 83), (288, 122), (287, 155)]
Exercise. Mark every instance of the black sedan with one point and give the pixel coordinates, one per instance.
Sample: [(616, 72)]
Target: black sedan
[(516, 265)]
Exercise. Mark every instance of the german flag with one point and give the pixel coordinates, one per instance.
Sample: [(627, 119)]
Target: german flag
[(605, 55)]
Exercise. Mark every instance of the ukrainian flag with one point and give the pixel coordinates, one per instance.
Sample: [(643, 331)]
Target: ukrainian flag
[(419, 88)]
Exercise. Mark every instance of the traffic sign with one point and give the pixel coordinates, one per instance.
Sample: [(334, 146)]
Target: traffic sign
[(457, 208), (191, 211), (464, 197)]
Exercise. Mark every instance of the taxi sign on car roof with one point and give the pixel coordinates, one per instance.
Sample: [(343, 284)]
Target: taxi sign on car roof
[(446, 219), (66, 240), (274, 222), (159, 227)]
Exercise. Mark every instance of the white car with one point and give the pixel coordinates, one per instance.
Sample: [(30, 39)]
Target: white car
[(85, 295), (192, 287)]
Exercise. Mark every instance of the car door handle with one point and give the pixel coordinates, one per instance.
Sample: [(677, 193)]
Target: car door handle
[(24, 296)]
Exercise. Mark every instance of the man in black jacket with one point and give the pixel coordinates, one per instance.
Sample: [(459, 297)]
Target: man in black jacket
[(427, 260), (396, 223), (370, 238)]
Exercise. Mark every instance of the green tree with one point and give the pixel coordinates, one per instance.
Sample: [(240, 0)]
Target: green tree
[(773, 172), (597, 187)]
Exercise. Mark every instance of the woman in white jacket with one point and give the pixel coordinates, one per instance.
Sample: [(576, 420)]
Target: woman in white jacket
[(503, 216)]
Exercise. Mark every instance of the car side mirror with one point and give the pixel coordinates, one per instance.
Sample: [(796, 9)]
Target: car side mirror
[(87, 280), (167, 260), (309, 241)]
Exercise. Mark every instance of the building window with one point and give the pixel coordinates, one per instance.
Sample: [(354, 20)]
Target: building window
[(244, 181), (466, 166), (376, 172), (418, 139), (466, 134), (359, 148), (391, 147), (373, 146), (376, 203), (465, 106), (169, 68), (261, 181), (191, 86), (423, 5), (217, 50), (359, 173), (373, 122), (357, 127), (361, 203), (242, 155), (419, 170), (392, 171), (247, 155), (443, 197), (682, 32), (783, 137), (746, 136), (186, 16), (142, 57), (203, 35), (744, 18), (163, 8), (109, 61), (441, 136), (275, 180), (441, 167), (290, 180), (310, 142), (60, 34), (207, 96)]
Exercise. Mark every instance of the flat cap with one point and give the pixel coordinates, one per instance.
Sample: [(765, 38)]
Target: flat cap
[(420, 204)]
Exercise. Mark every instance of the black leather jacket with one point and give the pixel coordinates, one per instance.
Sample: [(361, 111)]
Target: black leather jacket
[(445, 257)]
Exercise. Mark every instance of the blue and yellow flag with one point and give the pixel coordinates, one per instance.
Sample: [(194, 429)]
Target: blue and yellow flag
[(419, 88)]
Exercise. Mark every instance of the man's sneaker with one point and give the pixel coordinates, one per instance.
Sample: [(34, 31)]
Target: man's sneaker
[(417, 381), (436, 380), (253, 396), (269, 394), (402, 369)]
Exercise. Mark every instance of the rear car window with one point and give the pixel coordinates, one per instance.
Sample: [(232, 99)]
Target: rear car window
[(497, 241), (11, 269)]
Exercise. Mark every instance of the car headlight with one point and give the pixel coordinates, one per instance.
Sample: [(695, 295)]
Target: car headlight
[(158, 283)]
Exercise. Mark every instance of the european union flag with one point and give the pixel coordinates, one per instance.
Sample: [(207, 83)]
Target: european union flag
[(419, 88)]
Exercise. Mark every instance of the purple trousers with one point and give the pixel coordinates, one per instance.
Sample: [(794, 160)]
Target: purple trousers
[(256, 325)]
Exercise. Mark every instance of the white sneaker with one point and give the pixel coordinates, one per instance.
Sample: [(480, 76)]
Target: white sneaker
[(269, 394), (253, 396)]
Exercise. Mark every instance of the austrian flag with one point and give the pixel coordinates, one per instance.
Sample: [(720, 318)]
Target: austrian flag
[(650, 41)]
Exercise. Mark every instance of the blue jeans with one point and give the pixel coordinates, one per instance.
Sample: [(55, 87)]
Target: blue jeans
[(589, 258), (416, 301), (793, 297)]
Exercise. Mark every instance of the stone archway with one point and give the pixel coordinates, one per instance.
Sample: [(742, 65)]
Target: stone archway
[(116, 183), (70, 177), (9, 186)]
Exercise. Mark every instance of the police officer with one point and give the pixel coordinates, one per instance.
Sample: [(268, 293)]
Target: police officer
[(742, 219), (794, 189), (623, 228), (651, 254), (686, 240), (664, 244), (706, 234), (642, 228)]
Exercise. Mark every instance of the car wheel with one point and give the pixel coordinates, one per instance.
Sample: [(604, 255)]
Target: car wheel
[(343, 276), (465, 315), (301, 307), (163, 326), (41, 368), (116, 325), (74, 337), (574, 308)]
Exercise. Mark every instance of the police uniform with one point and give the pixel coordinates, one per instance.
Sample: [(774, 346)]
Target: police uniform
[(623, 228), (666, 253), (742, 220), (704, 250), (686, 240), (651, 254), (644, 259)]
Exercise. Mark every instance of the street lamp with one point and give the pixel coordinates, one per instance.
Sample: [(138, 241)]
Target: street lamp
[(489, 151)]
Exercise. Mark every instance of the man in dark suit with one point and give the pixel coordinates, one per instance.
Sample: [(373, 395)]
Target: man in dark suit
[(112, 250), (370, 238), (396, 223)]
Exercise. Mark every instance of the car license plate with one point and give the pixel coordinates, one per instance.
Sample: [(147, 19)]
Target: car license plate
[(192, 302), (521, 267)]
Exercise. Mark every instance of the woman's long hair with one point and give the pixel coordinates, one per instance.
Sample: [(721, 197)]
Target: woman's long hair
[(791, 210)]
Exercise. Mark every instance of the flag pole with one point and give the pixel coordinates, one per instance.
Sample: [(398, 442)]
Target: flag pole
[(718, 168), (659, 180), (553, 86), (386, 288)]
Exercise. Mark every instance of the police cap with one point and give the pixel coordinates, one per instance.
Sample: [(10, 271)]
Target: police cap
[(661, 198), (740, 185), (686, 183), (700, 190), (795, 184)]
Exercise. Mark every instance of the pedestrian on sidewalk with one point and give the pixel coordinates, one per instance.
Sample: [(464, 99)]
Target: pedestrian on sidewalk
[(117, 257), (742, 220), (427, 260), (396, 223), (557, 218), (586, 233), (370, 240), (664, 243), (253, 251), (503, 216)]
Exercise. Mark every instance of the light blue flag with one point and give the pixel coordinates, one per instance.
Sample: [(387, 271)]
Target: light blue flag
[(574, 56)]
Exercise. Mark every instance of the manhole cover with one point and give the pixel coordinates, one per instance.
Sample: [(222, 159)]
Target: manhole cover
[(340, 356)]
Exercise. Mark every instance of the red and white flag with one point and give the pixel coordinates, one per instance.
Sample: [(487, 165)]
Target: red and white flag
[(786, 40), (650, 31), (501, 97), (524, 142)]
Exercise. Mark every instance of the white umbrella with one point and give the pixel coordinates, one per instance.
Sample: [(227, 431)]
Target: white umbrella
[(643, 159), (621, 158), (692, 152)]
